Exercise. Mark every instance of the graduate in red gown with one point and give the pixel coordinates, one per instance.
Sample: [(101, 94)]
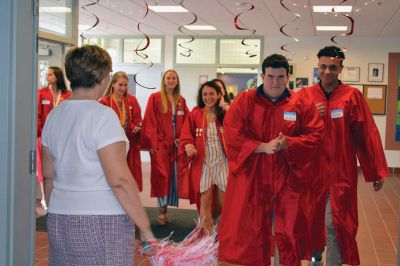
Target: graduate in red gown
[(270, 133), (202, 140), (350, 134), (128, 110), (225, 100), (48, 98), (162, 123)]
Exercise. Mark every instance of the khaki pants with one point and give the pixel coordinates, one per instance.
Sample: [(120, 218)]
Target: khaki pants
[(333, 256)]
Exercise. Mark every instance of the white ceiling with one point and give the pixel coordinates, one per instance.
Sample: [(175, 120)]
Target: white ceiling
[(379, 18)]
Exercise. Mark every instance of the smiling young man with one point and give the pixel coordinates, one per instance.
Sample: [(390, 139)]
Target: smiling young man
[(270, 134), (350, 134)]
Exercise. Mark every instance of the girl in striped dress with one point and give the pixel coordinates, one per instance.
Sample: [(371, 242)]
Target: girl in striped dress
[(202, 142)]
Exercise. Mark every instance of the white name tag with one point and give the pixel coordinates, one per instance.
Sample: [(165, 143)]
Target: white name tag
[(289, 116), (338, 113), (180, 112), (47, 102)]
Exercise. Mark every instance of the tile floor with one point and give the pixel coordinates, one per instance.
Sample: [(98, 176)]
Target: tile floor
[(377, 233)]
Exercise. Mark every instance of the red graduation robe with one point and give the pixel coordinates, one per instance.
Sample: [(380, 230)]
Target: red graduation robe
[(190, 134), (133, 119), (350, 133), (45, 102), (260, 184), (157, 133)]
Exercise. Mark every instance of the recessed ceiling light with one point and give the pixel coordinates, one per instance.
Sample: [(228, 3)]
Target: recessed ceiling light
[(54, 9), (168, 9), (323, 9), (199, 27), (331, 28)]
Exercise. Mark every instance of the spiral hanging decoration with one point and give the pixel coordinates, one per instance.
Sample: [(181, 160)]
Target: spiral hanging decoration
[(84, 7), (188, 51), (281, 29), (350, 32), (250, 52), (139, 51)]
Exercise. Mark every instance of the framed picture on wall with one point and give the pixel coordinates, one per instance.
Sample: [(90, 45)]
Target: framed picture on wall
[(315, 76), (375, 72), (350, 74), (301, 82), (375, 95)]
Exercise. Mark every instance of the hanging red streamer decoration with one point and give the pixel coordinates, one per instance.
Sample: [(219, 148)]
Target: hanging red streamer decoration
[(139, 51), (250, 52), (84, 7), (281, 29), (350, 32), (188, 51)]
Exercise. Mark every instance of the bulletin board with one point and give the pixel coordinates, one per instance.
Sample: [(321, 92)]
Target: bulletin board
[(375, 95)]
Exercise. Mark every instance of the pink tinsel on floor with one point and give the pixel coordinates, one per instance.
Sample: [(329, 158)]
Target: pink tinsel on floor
[(197, 248)]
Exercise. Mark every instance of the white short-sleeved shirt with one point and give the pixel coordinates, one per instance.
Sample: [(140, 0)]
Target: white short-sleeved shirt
[(73, 133)]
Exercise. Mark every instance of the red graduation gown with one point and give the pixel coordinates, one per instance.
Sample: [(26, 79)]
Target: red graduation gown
[(133, 119), (260, 184), (350, 133), (157, 133), (195, 121), (45, 102)]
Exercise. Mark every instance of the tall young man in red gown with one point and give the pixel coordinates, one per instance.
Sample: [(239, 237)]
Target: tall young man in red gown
[(350, 134)]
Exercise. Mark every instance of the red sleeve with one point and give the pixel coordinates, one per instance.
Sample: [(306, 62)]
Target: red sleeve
[(366, 135), (303, 146), (136, 112), (187, 133), (39, 115), (240, 145), (103, 101), (149, 125)]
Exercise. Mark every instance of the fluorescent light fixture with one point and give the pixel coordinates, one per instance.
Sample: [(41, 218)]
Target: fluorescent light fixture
[(168, 9), (331, 28), (199, 27), (54, 9), (328, 9)]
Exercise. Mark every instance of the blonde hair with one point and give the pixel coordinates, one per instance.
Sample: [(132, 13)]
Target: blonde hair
[(175, 93), (117, 75)]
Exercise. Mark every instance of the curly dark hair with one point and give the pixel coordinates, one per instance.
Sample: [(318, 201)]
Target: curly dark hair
[(220, 112), (332, 51), (275, 61)]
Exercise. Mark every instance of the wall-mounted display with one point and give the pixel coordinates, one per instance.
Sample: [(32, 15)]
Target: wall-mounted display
[(350, 74), (375, 72), (392, 138), (375, 95)]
